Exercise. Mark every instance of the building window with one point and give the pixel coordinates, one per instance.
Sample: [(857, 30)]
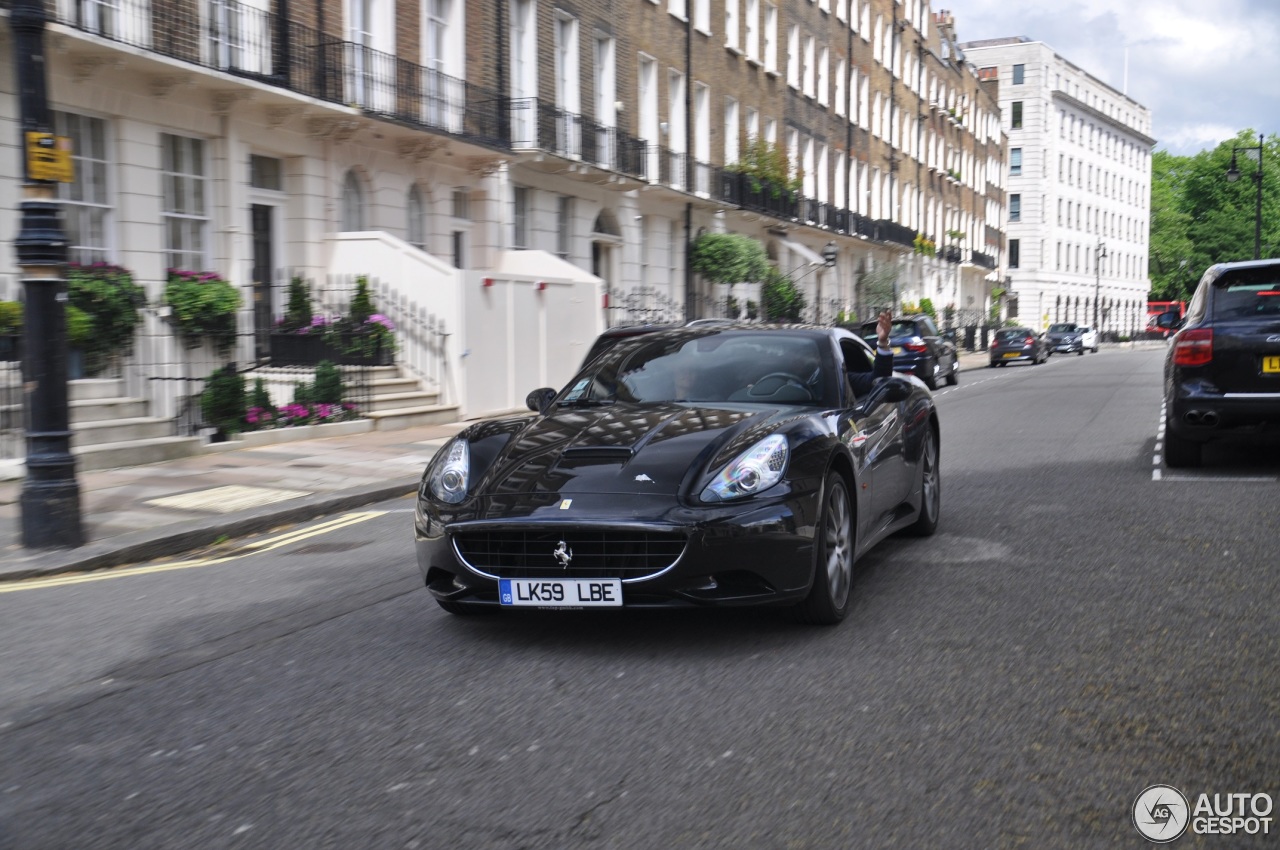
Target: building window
[(185, 213), (519, 217), (752, 22), (793, 57), (1019, 74), (1016, 115), (564, 229), (416, 210), (771, 37), (731, 23), (1015, 253), (264, 173), (1015, 208), (1015, 162), (730, 130), (86, 208), (352, 203)]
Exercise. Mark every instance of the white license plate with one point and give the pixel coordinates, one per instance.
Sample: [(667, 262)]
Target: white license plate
[(561, 593)]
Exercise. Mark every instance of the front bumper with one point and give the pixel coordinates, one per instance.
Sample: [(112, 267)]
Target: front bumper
[(1068, 347), (753, 554)]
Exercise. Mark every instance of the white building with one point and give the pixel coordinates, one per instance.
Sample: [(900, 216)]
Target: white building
[(1079, 188)]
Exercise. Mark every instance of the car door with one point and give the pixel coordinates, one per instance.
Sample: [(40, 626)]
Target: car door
[(872, 429)]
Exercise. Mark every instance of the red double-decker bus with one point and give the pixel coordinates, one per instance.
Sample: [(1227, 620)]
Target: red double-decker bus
[(1155, 308)]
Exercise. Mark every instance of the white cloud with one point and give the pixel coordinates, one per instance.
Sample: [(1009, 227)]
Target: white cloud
[(1205, 70)]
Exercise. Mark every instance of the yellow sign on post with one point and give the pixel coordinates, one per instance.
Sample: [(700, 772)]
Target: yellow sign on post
[(49, 158)]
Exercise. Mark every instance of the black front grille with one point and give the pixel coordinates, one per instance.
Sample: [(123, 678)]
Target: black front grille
[(612, 553)]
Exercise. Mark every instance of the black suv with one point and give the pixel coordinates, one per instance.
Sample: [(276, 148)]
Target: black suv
[(919, 348), (1222, 372)]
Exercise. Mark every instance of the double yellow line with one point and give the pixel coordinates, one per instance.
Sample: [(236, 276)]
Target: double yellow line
[(248, 549)]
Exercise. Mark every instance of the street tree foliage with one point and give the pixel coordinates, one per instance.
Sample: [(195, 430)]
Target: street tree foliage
[(728, 258), (780, 299), (1199, 218), (879, 286)]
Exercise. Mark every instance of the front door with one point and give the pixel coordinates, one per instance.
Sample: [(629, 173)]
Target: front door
[(262, 217)]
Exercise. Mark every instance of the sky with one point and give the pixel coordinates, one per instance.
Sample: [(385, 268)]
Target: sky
[(1206, 70)]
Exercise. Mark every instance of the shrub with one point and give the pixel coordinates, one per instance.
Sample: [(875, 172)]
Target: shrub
[(780, 299), (223, 400), (926, 307), (79, 328), (111, 300), (328, 388), (728, 258), (361, 304), (297, 314), (204, 307), (10, 317)]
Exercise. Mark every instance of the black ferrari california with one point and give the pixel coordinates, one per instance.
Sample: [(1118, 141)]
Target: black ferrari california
[(702, 466)]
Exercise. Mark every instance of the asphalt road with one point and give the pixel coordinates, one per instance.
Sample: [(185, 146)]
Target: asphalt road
[(1084, 625)]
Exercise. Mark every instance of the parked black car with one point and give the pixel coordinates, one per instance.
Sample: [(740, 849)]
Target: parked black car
[(1018, 345), (918, 348), (1222, 371), (1065, 338), (705, 466)]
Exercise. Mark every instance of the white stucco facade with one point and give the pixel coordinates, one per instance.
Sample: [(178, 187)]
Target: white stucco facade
[(1079, 178)]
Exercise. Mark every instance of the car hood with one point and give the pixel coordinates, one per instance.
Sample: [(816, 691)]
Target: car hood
[(1058, 336), (646, 449)]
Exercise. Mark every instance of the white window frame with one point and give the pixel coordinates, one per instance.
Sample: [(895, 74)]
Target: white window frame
[(732, 131), (185, 201), (86, 202), (771, 37), (732, 26)]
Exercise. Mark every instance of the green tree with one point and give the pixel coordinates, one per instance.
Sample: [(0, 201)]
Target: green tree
[(879, 287), (1198, 215), (780, 299), (728, 258)]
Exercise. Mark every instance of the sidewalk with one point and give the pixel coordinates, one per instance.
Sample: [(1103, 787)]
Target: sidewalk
[(163, 509)]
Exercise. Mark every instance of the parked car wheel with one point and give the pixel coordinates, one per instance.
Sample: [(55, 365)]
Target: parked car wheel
[(828, 599), (953, 377), (930, 376), (1181, 453)]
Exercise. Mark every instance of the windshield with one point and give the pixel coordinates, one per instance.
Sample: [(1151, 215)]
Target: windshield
[(719, 367), (1061, 329), (1010, 334)]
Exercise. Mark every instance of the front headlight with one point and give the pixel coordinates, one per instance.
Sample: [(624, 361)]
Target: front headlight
[(754, 471), (450, 478)]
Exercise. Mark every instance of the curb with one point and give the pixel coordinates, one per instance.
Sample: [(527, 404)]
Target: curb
[(138, 546)]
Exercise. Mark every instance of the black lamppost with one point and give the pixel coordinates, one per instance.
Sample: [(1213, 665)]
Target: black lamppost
[(1233, 174), (50, 500), (829, 253), (1100, 254)]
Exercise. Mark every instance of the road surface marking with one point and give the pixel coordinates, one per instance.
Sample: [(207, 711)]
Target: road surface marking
[(249, 549)]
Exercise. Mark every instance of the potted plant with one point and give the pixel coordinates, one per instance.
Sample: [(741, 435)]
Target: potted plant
[(112, 301), (363, 336), (223, 402), (204, 308), (300, 336)]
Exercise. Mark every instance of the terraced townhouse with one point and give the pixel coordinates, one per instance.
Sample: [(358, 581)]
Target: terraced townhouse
[(513, 176)]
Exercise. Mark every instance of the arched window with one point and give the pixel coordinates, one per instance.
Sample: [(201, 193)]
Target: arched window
[(352, 203), (417, 213)]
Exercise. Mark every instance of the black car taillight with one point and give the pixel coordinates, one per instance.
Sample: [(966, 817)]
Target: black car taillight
[(916, 347), (1029, 341), (1193, 347)]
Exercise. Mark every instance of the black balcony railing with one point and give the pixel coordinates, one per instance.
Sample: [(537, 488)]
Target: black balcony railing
[(952, 254), (235, 38), (986, 261)]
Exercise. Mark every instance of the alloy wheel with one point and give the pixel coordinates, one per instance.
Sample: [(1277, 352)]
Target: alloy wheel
[(838, 546)]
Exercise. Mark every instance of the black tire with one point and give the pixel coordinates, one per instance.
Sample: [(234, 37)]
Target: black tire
[(930, 379), (1081, 352), (828, 599), (930, 489), (1180, 453), (992, 365), (463, 609), (953, 377)]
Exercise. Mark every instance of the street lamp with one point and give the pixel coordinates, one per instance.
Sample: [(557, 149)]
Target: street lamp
[(1100, 254), (1233, 174), (50, 500)]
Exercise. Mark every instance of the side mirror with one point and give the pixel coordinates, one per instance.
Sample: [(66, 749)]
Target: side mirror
[(889, 390), (540, 399), (1168, 320)]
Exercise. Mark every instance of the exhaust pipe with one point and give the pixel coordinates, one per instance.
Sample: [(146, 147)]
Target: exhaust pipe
[(1204, 418)]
